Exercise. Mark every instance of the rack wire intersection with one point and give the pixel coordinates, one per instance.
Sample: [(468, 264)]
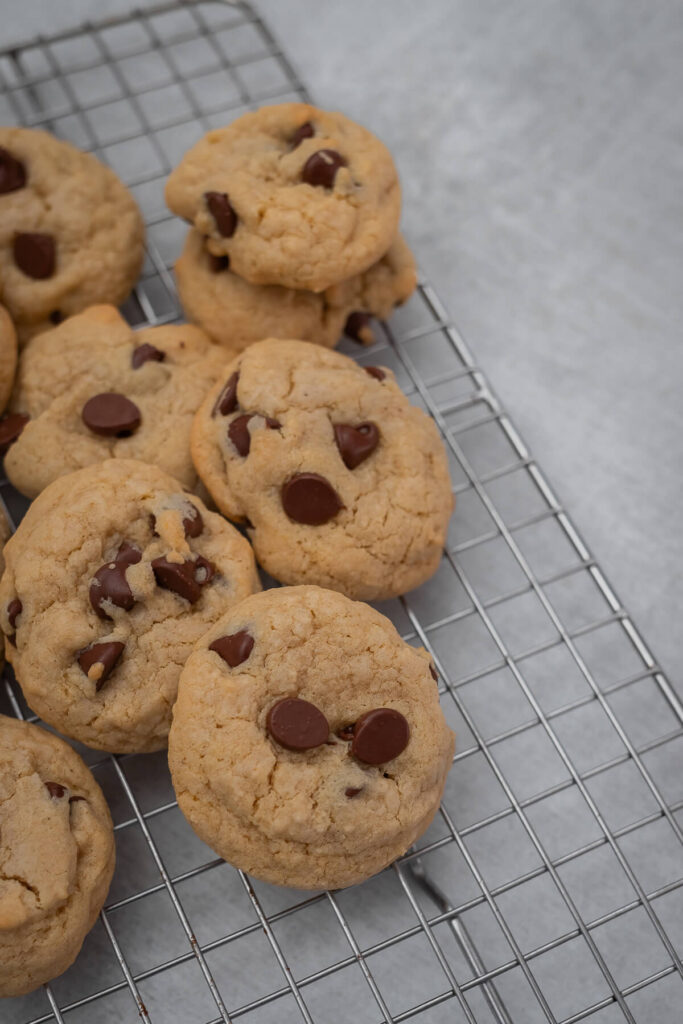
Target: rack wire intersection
[(550, 886)]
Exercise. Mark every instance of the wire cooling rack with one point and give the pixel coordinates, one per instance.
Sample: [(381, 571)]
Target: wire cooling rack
[(549, 887)]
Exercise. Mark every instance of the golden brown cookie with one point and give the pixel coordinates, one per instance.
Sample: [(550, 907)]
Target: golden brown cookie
[(308, 745), (294, 196), (95, 389), (71, 233), (236, 313), (342, 482), (112, 576), (56, 855), (8, 356)]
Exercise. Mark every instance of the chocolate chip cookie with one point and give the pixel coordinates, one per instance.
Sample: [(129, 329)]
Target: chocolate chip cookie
[(8, 357), (308, 745), (236, 313), (293, 195), (113, 574), (71, 234), (95, 389), (56, 855), (342, 482)]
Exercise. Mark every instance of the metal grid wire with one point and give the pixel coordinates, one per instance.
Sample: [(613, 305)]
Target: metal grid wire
[(549, 887)]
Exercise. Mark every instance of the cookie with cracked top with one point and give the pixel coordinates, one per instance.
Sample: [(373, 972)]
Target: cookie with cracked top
[(95, 389), (112, 576), (315, 754), (343, 483), (56, 855), (71, 233), (236, 313), (293, 195)]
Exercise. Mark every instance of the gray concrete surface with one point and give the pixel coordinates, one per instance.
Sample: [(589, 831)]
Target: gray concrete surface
[(541, 150)]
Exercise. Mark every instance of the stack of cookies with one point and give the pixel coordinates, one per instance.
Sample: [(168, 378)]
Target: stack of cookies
[(306, 740), (294, 215)]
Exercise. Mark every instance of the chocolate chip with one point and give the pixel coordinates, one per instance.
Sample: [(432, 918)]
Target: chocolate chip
[(346, 733), (238, 432), (185, 579), (222, 212), (304, 131), (10, 428), (146, 353), (35, 254), (75, 799), (379, 736), (435, 674), (352, 791), (310, 499), (227, 400), (14, 610), (193, 524), (218, 263), (12, 172), (55, 790), (357, 326), (235, 648), (110, 582), (375, 371), (297, 724), (111, 415), (106, 655), (355, 444), (56, 317), (321, 167)]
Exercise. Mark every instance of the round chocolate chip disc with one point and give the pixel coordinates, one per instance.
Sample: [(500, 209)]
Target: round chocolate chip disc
[(35, 254), (235, 648), (375, 371), (10, 428), (356, 444), (106, 655), (321, 167), (310, 499), (357, 326), (379, 736), (222, 212), (146, 353), (110, 584), (238, 432), (12, 172), (297, 724), (111, 415), (227, 400), (55, 789), (304, 131)]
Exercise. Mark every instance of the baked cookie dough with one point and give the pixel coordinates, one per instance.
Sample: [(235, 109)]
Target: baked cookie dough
[(56, 855), (236, 313), (111, 577), (8, 356), (95, 389), (71, 233), (342, 482), (294, 196), (308, 746)]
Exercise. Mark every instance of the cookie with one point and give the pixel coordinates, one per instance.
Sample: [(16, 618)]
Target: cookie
[(8, 356), (236, 313), (293, 195), (95, 389), (113, 574), (56, 855), (342, 482), (308, 745), (71, 233)]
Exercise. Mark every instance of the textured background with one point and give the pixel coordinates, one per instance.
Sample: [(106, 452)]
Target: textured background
[(541, 149)]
